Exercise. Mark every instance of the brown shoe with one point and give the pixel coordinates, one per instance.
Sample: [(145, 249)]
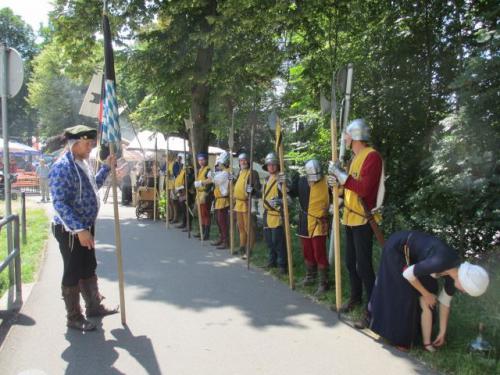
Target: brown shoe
[(349, 306), (93, 299), (74, 317)]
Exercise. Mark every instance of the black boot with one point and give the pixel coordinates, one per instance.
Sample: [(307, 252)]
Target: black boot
[(311, 275), (93, 299), (75, 318), (323, 285), (206, 232)]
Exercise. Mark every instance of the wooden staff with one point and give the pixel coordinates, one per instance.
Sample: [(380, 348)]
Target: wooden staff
[(190, 127), (279, 142), (118, 239), (231, 191), (167, 188), (155, 172), (249, 207), (188, 223)]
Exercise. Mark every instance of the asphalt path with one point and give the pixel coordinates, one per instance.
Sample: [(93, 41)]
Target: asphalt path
[(190, 310)]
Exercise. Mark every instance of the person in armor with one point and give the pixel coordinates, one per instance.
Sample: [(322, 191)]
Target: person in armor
[(272, 200), (74, 187), (314, 199), (175, 170), (361, 185), (220, 179), (182, 195), (170, 183), (242, 188), (203, 186)]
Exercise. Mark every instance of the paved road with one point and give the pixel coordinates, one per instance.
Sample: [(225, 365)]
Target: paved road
[(190, 310)]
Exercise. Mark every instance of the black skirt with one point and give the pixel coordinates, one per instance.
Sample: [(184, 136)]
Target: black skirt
[(394, 304)]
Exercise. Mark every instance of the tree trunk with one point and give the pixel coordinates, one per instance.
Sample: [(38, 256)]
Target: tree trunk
[(200, 91)]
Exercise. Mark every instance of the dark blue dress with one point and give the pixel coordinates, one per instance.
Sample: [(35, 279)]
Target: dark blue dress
[(394, 305)]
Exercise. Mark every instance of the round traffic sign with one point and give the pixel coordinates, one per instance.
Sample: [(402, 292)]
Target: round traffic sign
[(15, 72)]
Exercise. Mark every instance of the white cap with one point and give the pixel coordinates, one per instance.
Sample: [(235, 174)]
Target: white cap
[(474, 279)]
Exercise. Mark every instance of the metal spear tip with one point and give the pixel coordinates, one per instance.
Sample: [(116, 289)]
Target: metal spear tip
[(272, 120), (325, 104), (189, 123)]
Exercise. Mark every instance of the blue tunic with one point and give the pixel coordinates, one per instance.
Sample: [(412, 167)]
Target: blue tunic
[(74, 197)]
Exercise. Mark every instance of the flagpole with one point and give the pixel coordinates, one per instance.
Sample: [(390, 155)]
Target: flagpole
[(111, 115), (118, 239)]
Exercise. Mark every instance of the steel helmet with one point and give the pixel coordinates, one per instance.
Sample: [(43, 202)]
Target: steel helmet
[(313, 170), (358, 130), (271, 158), (243, 156), (223, 159)]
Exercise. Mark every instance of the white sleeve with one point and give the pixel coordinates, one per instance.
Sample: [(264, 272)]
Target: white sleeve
[(444, 299), (408, 273)]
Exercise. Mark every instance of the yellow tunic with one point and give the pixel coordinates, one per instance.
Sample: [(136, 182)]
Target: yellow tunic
[(240, 191), (179, 180), (273, 216), (354, 213), (201, 192), (319, 202), (220, 200), (171, 177)]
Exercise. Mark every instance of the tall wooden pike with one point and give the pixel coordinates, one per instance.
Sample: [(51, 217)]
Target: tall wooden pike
[(336, 156), (155, 176), (188, 221), (286, 214), (189, 127), (167, 187), (231, 187), (250, 181)]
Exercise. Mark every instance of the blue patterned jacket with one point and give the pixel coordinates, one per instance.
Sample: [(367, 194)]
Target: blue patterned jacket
[(73, 196)]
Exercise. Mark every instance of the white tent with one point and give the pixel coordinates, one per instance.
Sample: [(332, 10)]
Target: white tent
[(19, 149), (145, 141)]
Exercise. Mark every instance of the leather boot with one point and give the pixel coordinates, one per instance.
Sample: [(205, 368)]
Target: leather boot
[(323, 284), (311, 275), (222, 246), (75, 319), (216, 242), (350, 305), (93, 299), (206, 232)]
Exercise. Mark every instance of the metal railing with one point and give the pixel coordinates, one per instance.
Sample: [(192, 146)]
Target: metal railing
[(13, 260)]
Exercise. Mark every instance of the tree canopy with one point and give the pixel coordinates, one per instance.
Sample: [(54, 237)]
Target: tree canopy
[(425, 79)]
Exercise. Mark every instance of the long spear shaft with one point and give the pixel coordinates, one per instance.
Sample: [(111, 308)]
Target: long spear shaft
[(231, 191), (155, 172), (335, 196), (286, 216), (186, 191), (249, 207), (190, 129), (167, 187)]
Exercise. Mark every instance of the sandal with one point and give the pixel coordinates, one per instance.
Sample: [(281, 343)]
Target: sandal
[(430, 348)]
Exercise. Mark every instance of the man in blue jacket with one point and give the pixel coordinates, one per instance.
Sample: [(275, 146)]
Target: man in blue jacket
[(73, 187)]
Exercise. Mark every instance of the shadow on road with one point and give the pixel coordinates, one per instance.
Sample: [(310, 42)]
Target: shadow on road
[(168, 267), (91, 353)]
